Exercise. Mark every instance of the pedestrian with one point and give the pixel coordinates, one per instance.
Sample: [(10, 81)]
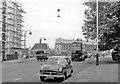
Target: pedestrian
[(24, 56)]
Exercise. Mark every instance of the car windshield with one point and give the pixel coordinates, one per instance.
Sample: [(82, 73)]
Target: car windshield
[(55, 61)]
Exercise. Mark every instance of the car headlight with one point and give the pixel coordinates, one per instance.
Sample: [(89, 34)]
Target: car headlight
[(60, 69), (41, 69)]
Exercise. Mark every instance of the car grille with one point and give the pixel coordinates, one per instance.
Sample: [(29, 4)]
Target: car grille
[(50, 72)]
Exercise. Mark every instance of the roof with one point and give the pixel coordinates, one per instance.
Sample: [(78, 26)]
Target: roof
[(38, 46)]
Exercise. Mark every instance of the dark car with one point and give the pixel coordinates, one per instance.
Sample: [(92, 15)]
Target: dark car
[(78, 55), (56, 67)]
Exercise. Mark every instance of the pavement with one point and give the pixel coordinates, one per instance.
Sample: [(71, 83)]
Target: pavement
[(19, 60), (104, 72), (99, 73)]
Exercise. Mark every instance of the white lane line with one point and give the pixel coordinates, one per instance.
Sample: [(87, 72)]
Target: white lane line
[(17, 79)]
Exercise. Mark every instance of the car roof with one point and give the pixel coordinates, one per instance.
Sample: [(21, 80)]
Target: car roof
[(59, 57)]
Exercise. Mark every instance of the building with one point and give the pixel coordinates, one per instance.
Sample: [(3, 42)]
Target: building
[(10, 29), (40, 47), (89, 46), (65, 46), (0, 29)]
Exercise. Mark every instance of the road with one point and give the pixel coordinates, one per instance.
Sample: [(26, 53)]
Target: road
[(28, 71)]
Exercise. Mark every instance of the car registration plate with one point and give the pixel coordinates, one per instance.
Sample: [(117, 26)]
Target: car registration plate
[(50, 77)]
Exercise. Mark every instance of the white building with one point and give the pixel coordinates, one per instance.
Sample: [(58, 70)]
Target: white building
[(10, 28)]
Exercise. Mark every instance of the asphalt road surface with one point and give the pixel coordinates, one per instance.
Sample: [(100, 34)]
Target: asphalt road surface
[(28, 71)]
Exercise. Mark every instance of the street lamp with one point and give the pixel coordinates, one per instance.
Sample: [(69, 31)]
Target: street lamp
[(25, 37), (97, 55), (42, 38), (58, 12)]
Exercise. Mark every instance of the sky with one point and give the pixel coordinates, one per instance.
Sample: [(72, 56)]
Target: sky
[(41, 18)]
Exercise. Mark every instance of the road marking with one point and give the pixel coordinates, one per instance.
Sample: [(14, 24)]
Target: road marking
[(17, 79)]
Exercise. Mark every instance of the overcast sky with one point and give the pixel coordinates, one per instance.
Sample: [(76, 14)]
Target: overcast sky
[(41, 18)]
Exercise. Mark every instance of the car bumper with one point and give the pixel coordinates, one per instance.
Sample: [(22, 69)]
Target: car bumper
[(58, 76)]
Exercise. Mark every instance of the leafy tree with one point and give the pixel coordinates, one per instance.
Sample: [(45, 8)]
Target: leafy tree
[(89, 28), (108, 24)]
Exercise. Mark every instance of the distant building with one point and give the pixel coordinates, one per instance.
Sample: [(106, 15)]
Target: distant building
[(40, 47), (77, 45), (10, 28), (89, 46), (63, 46), (66, 46), (1, 29)]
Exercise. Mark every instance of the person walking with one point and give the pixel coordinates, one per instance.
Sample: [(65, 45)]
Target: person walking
[(24, 56)]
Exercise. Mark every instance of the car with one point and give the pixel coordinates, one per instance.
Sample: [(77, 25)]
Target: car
[(56, 67), (78, 55)]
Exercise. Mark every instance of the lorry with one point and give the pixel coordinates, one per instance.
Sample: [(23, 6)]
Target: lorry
[(41, 55), (78, 55)]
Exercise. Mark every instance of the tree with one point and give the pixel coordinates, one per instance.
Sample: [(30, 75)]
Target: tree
[(89, 28), (108, 24)]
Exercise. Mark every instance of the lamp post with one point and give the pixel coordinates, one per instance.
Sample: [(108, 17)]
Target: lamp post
[(42, 38), (58, 12), (25, 37), (97, 55)]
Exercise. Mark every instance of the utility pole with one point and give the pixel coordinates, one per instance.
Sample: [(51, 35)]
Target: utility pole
[(25, 37), (41, 39), (58, 12), (97, 55)]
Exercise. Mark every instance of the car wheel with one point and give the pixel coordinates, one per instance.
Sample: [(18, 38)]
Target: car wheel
[(42, 78), (71, 73), (72, 59), (64, 77)]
